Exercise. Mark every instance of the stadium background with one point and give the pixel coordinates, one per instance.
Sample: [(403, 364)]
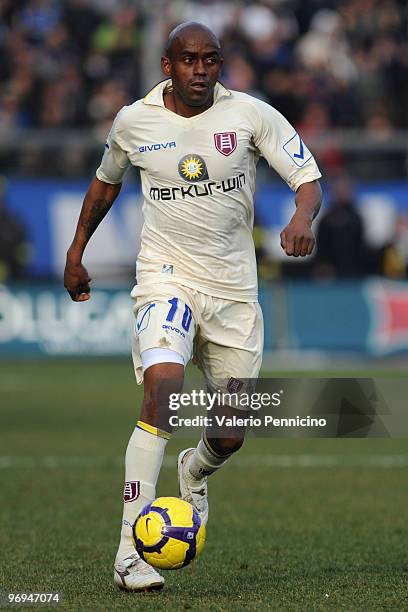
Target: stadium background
[(339, 72)]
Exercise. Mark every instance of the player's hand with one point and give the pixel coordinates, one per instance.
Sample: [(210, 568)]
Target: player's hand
[(297, 238), (76, 281)]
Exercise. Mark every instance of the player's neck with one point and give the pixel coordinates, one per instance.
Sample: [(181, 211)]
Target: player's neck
[(176, 105)]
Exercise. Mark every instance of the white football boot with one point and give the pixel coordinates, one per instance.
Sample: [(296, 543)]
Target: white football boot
[(134, 574), (191, 490)]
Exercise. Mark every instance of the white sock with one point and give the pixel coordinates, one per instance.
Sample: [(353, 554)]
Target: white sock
[(205, 461), (144, 457)]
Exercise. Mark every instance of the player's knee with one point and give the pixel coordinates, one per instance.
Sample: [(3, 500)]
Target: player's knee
[(156, 400), (149, 408), (160, 382), (155, 404), (226, 446)]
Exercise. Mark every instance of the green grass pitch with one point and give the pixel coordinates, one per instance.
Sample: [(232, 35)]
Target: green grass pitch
[(295, 524)]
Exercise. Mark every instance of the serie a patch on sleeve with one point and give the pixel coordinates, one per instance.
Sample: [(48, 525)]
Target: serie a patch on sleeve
[(297, 150)]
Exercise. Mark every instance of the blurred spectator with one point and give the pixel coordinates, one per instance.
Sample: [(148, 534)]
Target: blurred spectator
[(386, 240), (62, 101), (119, 40), (314, 128), (217, 15), (381, 159), (324, 48), (37, 18), (288, 91), (14, 245), (81, 20), (339, 240), (103, 105), (401, 243), (240, 75)]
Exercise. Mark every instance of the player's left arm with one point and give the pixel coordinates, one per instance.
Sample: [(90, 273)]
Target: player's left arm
[(283, 148), (297, 238)]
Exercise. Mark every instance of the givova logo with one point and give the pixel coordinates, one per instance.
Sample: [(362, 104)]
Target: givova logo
[(157, 146)]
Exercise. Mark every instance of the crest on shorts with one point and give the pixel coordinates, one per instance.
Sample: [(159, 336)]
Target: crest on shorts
[(234, 385), (225, 142), (131, 491)]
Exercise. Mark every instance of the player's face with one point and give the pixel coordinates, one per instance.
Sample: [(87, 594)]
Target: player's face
[(194, 68)]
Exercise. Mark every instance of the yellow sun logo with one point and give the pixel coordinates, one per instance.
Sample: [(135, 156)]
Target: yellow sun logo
[(192, 168)]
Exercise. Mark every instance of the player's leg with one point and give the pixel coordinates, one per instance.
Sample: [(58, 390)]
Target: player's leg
[(218, 442), (145, 450), (144, 457), (229, 351), (163, 372), (216, 446)]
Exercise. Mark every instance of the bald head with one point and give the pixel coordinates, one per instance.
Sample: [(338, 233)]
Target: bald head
[(193, 61), (189, 30)]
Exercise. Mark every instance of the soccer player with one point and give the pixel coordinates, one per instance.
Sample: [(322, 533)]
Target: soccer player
[(197, 145)]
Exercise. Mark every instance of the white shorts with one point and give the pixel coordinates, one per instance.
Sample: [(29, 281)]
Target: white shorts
[(224, 337)]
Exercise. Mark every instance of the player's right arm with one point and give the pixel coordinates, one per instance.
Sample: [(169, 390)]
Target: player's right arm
[(99, 198)]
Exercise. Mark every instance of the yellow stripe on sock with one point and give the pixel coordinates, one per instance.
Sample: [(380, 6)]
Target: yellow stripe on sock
[(153, 430)]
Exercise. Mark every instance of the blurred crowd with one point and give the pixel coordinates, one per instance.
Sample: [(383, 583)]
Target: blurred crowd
[(68, 66), (323, 63)]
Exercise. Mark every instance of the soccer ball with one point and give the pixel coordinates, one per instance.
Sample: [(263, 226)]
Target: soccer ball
[(169, 533)]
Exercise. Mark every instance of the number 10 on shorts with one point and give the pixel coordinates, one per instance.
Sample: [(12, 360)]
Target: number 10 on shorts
[(187, 316)]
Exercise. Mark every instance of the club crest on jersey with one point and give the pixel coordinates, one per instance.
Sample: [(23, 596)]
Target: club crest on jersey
[(131, 491), (192, 168), (234, 385), (225, 142)]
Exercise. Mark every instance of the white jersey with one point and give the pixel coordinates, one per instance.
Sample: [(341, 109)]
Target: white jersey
[(198, 181)]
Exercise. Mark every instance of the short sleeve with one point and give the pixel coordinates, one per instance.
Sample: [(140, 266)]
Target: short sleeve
[(282, 147), (115, 160)]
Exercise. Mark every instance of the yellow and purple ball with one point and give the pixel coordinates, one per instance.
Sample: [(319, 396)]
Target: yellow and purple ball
[(169, 533)]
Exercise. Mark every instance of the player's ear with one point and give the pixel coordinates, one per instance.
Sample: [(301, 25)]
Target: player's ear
[(166, 65)]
